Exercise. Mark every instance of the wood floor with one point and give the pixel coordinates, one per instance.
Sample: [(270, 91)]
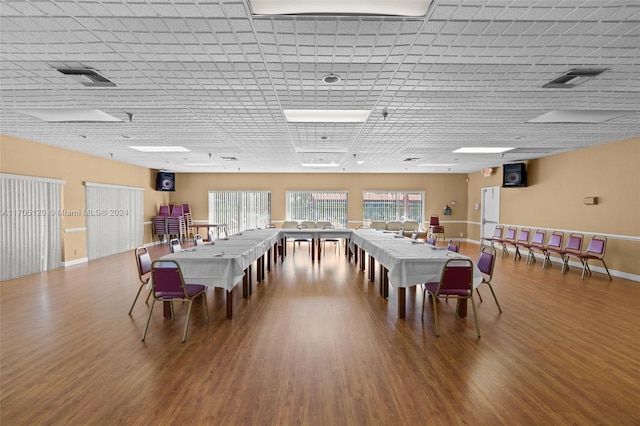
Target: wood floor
[(316, 344)]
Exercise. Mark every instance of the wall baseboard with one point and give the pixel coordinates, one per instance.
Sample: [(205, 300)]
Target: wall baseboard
[(75, 262)]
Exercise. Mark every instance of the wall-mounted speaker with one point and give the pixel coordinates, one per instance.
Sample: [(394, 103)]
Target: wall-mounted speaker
[(166, 181), (514, 175)]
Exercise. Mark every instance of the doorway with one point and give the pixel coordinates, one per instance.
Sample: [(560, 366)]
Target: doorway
[(490, 214)]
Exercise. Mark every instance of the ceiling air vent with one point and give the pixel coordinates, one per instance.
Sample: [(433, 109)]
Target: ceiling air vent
[(573, 78), (411, 159), (87, 77), (229, 158)]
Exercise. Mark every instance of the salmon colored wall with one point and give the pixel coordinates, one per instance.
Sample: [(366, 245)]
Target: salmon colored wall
[(554, 197), (22, 157)]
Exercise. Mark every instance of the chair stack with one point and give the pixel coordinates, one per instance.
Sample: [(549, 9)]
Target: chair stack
[(159, 222), (176, 226)]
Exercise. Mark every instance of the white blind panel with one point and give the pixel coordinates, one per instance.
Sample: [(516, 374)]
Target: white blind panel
[(318, 206), (393, 205), (240, 210), (114, 216), (30, 225)]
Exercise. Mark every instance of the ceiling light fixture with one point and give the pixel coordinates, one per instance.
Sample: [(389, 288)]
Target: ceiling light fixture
[(314, 150), (413, 8), (87, 77), (331, 164), (579, 116), (435, 165), (69, 115), (326, 116), (481, 150), (160, 148)]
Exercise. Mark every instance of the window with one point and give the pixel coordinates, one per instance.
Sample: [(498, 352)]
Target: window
[(318, 206), (240, 210), (392, 205)]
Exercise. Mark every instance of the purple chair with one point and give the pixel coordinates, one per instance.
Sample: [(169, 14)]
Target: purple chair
[(524, 236), (143, 262), (486, 263), (456, 280), (454, 246), (595, 251), (537, 243), (509, 238), (431, 241), (553, 246), (498, 231), (169, 285), (573, 248)]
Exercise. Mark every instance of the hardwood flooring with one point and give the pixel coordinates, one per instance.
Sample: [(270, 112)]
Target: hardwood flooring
[(316, 345)]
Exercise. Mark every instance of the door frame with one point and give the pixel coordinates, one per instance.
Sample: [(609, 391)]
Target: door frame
[(485, 232)]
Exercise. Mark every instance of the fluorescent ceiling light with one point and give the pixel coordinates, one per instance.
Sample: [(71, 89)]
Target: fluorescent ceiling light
[(481, 150), (58, 115), (340, 7), (202, 164), (579, 116), (160, 148), (360, 162), (332, 164), (321, 150), (435, 165), (326, 115)]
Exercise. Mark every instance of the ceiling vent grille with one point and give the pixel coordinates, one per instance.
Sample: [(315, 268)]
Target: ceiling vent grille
[(87, 77), (573, 78)]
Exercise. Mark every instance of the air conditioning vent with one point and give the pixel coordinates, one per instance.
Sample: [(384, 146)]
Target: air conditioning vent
[(573, 78), (87, 77)]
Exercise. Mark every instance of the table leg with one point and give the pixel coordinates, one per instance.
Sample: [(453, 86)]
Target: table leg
[(372, 269), (402, 294), (313, 249), (245, 285), (384, 277), (355, 254), (167, 309), (229, 304), (362, 261), (462, 307), (269, 259)]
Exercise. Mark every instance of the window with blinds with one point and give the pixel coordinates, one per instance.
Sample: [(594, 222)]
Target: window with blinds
[(393, 205), (318, 206), (240, 210), (30, 222)]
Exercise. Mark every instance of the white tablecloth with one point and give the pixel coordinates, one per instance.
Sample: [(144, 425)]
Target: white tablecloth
[(408, 262), (223, 263)]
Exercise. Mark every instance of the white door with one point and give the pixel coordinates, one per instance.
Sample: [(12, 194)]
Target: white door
[(490, 216)]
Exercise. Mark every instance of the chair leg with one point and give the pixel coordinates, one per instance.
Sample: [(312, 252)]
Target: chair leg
[(494, 296), (475, 316), (424, 300), (186, 323), (144, 333), (206, 306), (136, 299), (606, 269), (479, 296), (148, 296), (435, 315)]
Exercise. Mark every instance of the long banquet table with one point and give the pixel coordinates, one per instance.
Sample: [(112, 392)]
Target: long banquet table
[(407, 262), (316, 235), (224, 264)]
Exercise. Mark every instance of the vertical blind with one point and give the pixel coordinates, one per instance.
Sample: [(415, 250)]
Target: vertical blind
[(30, 225), (393, 205), (240, 210), (318, 206), (114, 216)]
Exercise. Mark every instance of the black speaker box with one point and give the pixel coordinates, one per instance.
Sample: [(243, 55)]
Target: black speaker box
[(514, 175), (166, 181)]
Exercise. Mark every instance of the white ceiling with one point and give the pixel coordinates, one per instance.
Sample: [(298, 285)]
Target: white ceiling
[(208, 76)]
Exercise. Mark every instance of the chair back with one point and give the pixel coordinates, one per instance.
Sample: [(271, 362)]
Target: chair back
[(434, 220), (378, 224), (394, 225), (143, 262), (363, 227), (290, 224), (167, 279), (487, 261), (177, 210), (431, 241), (174, 245), (538, 238), (270, 226), (329, 226), (555, 241), (453, 247), (498, 231), (597, 246), (524, 236), (302, 226), (309, 223), (456, 277), (511, 233), (198, 240), (411, 225), (414, 235), (164, 210), (574, 243)]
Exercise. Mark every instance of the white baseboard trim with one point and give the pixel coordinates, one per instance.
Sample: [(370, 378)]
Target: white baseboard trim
[(75, 262)]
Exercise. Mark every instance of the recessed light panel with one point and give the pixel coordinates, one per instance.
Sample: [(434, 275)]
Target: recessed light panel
[(319, 150), (435, 165), (160, 148), (579, 116), (341, 7), (61, 115), (326, 115), (332, 164), (481, 150)]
